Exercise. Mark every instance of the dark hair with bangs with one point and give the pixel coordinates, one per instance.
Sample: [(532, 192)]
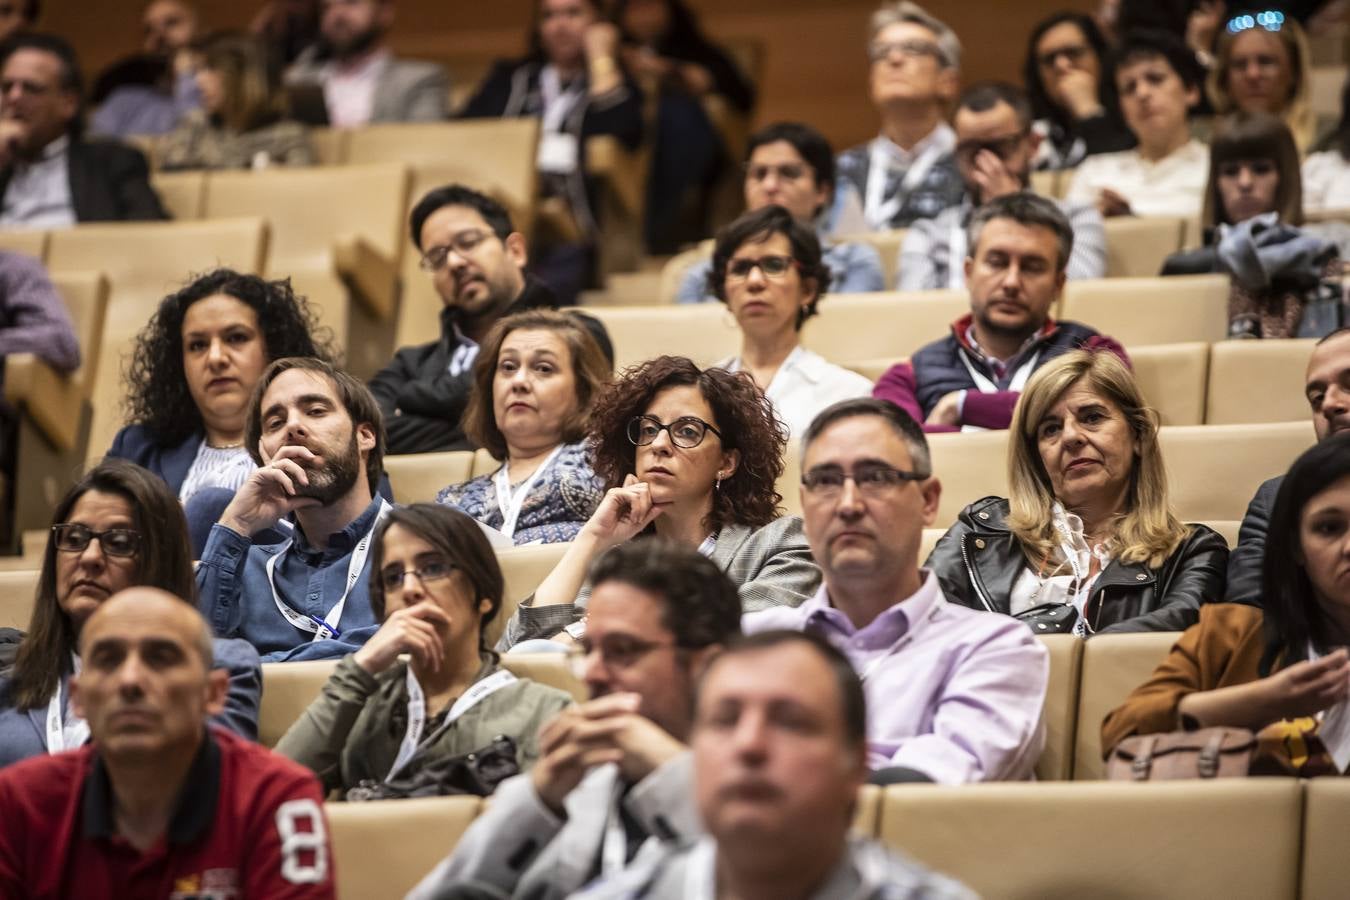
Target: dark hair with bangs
[(1254, 136), (1150, 43), (760, 225)]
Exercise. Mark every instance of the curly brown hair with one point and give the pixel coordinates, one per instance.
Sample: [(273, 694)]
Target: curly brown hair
[(743, 415)]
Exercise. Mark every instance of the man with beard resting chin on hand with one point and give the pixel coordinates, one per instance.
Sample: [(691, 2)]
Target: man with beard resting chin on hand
[(317, 436)]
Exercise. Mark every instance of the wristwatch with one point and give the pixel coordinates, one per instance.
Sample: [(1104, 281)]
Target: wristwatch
[(577, 630)]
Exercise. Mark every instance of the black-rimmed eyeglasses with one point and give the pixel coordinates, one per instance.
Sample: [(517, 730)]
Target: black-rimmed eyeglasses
[(73, 538), (869, 478), (685, 432)]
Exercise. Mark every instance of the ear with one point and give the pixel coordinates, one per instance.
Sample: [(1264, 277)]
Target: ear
[(932, 493), (1034, 139), (70, 104), (516, 249), (949, 83), (484, 604), (217, 688), (811, 289), (969, 265), (365, 437), (1192, 97), (731, 459), (1060, 277)]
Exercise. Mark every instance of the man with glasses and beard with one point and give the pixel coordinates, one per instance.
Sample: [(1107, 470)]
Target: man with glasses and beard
[(317, 436), (362, 81)]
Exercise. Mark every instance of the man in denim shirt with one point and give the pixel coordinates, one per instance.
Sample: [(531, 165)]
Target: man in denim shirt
[(318, 438)]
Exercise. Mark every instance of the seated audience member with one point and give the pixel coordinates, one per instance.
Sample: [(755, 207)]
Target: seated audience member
[(50, 177), (791, 165), (658, 613), (1071, 95), (571, 81), (534, 385), (1252, 666), (1087, 523), (780, 751), (1253, 220), (378, 718), (767, 269), (1326, 174), (33, 317), (242, 123), (1019, 246), (1261, 65), (118, 527), (663, 45), (362, 80), (17, 16), (956, 694), (159, 797), (476, 260), (994, 149), (151, 92), (908, 171), (1158, 81), (1327, 388), (290, 27), (191, 377), (692, 456), (316, 435)]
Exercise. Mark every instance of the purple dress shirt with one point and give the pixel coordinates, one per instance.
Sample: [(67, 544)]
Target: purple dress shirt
[(33, 318), (952, 692)]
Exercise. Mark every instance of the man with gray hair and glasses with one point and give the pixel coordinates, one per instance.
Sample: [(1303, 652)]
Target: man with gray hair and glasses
[(1019, 246), (908, 171)]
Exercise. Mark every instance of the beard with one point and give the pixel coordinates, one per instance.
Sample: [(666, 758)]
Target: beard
[(352, 45), (337, 476)]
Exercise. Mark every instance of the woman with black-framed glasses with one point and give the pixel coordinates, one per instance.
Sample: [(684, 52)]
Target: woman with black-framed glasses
[(435, 583), (120, 526), (768, 269), (691, 455)]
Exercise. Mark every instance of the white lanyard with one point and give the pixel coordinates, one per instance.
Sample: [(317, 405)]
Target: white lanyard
[(1334, 725), (956, 258), (557, 102), (700, 875), (511, 501), (879, 209), (709, 545), (327, 626), (56, 724), (417, 712), (986, 386)]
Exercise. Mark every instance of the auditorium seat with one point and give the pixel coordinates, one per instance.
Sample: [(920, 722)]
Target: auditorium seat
[(873, 369), (330, 145), (1061, 706), (1052, 183), (1137, 245), (1144, 311), (790, 483), (1232, 837), (337, 233), (17, 591), (1326, 821), (883, 324), (1172, 379), (483, 463), (523, 568), (182, 193), (1258, 381), (1113, 666), (1228, 528), (620, 176), (551, 669), (704, 332), (867, 814), (1213, 470), (673, 272), (930, 538), (143, 262), (288, 688), (385, 847), (28, 241), (419, 477), (970, 465), (887, 244)]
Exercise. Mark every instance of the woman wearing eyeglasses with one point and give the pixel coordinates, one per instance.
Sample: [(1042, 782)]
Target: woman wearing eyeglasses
[(435, 583), (691, 455), (536, 376), (767, 269), (120, 526), (1261, 65), (1085, 542)]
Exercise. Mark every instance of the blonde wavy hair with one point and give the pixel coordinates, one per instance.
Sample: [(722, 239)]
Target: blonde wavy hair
[(1148, 531)]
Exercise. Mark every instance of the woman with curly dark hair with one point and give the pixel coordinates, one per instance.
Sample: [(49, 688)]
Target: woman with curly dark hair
[(191, 378), (691, 455)]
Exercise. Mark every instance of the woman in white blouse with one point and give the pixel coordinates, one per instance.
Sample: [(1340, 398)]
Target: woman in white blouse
[(767, 269), (191, 378), (1326, 175)]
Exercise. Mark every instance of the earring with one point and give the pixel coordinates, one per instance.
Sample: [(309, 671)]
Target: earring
[(717, 485)]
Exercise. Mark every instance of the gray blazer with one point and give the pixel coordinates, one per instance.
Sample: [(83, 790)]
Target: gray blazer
[(519, 847), (409, 90), (771, 566)]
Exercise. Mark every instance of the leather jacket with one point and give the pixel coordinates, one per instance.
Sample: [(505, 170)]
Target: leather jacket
[(978, 561)]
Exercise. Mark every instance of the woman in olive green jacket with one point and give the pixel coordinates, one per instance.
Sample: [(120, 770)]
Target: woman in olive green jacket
[(435, 583)]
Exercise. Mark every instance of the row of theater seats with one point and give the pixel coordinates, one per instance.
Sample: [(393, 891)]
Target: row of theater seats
[(1272, 838)]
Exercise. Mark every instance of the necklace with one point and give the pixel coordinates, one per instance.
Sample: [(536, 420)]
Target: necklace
[(225, 446)]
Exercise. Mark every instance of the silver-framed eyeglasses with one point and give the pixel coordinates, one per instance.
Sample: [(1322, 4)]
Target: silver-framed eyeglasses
[(686, 432), (869, 478), (464, 243), (616, 652), (71, 537), (909, 49), (392, 579)]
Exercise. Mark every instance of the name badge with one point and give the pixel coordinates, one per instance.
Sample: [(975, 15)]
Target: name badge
[(558, 153)]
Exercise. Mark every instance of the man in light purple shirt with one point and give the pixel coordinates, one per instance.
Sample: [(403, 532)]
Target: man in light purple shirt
[(954, 694)]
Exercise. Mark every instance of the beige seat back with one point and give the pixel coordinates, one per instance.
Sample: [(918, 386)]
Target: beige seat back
[(873, 369), (330, 145), (522, 569), (17, 592), (1052, 183), (931, 536), (1113, 666), (86, 298), (1258, 381), (419, 477), (674, 271), (26, 241), (887, 244), (970, 465), (704, 332), (1142, 311), (288, 690), (1137, 245), (144, 262), (1213, 470), (1326, 820), (182, 193), (1232, 837), (1229, 528), (790, 483), (1172, 380), (1061, 706), (884, 324), (867, 814), (551, 669), (384, 847)]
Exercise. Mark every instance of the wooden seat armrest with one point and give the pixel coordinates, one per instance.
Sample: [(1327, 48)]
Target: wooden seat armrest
[(622, 170), (53, 400), (369, 272)]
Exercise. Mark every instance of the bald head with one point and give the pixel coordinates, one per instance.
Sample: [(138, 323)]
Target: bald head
[(153, 605)]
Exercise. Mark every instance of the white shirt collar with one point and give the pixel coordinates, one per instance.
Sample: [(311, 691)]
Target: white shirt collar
[(940, 138)]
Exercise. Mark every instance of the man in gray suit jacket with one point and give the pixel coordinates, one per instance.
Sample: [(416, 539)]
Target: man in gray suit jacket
[(362, 81), (613, 781)]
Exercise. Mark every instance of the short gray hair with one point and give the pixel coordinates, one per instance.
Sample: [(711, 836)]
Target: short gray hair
[(1024, 208), (949, 45)]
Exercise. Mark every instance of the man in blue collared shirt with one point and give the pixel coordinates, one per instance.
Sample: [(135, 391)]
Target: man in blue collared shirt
[(318, 438)]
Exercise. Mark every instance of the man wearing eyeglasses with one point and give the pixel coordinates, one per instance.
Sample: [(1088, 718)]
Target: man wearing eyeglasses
[(995, 146), (476, 260), (614, 777), (954, 694), (908, 171)]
